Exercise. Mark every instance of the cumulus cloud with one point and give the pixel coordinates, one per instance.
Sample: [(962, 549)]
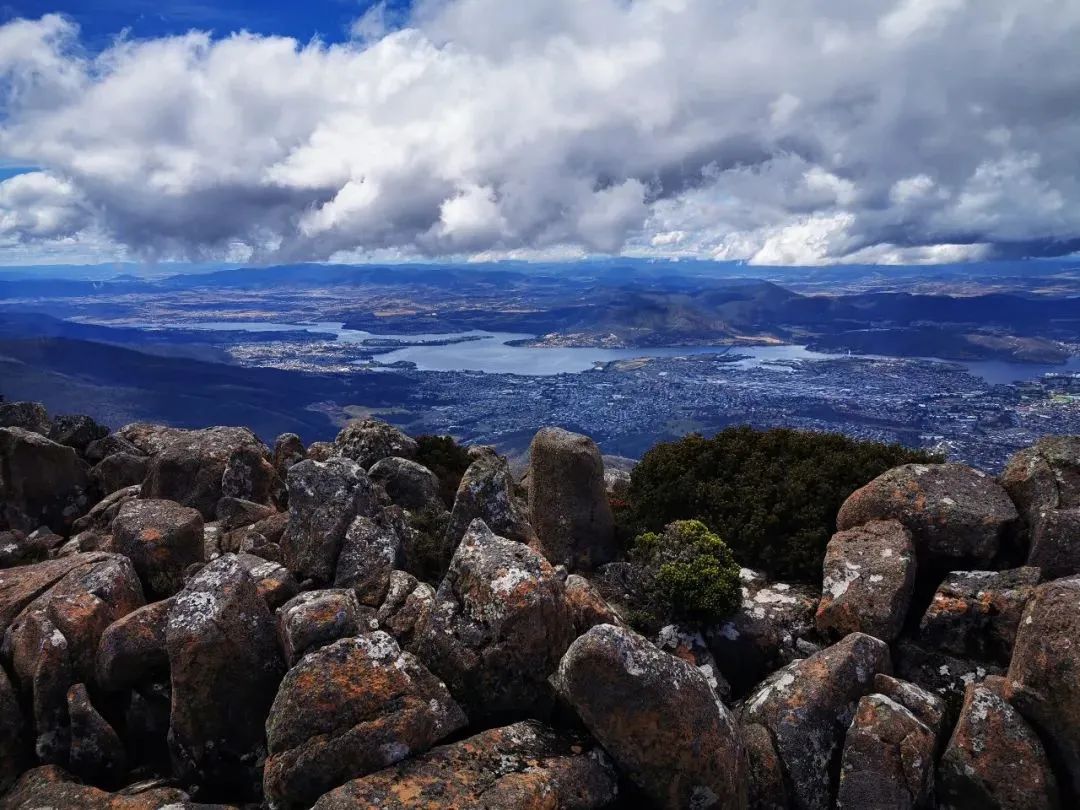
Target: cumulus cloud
[(824, 131)]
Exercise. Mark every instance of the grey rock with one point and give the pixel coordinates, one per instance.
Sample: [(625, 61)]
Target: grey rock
[(410, 485), (366, 441), (313, 619), (43, 483), (162, 539)]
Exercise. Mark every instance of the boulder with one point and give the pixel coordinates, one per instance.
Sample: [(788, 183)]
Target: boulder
[(349, 709), (410, 485), (568, 502), (118, 471), (930, 709), (50, 787), (101, 515), (588, 606), (76, 431), (132, 648), (188, 466), (324, 499), (954, 513), (226, 666), (21, 586), (688, 643), (617, 485), (96, 753), (52, 643), (235, 513), (975, 614), (162, 538), (994, 759), (42, 483), (288, 450), (249, 475), (807, 707), (767, 789), (406, 608), (774, 626), (12, 734), (486, 492), (938, 672), (1055, 543), (274, 582), (869, 573), (372, 549), (17, 548), (1044, 676), (1044, 476), (30, 416), (321, 451), (657, 716), (100, 449), (366, 441), (888, 759), (525, 765), (313, 619), (498, 628)]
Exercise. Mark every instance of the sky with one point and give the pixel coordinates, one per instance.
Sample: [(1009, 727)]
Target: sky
[(772, 132)]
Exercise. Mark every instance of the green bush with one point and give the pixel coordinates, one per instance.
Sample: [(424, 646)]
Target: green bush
[(427, 555), (447, 459), (772, 495), (689, 573)]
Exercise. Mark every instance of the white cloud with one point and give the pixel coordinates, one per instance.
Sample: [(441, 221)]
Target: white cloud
[(826, 131)]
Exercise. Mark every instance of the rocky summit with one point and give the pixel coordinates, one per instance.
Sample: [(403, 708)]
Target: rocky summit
[(197, 619)]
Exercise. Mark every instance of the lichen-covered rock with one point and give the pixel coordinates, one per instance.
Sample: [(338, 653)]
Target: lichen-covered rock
[(657, 716), (994, 760), (410, 485), (52, 643), (568, 503), (96, 753), (869, 573), (974, 614), (588, 606), (42, 483), (1055, 543), (101, 515), (12, 734), (767, 789), (688, 643), (226, 666), (100, 449), (188, 466), (288, 450), (349, 709), (18, 548), (406, 607), (324, 499), (161, 538), (50, 787), (524, 766), (274, 582), (249, 475), (498, 628), (807, 707), (1044, 676), (371, 550), (76, 430), (1044, 476), (30, 416), (888, 759), (366, 441), (313, 619), (118, 471), (954, 513), (321, 451), (21, 586), (774, 626), (234, 513), (930, 709), (132, 648), (938, 672), (486, 492)]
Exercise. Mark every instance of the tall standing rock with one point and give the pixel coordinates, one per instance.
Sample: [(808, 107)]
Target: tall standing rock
[(954, 513), (498, 628), (226, 666), (161, 538), (568, 504), (41, 482), (807, 707), (366, 441), (658, 717), (1044, 676), (324, 498), (1044, 476), (1055, 543), (486, 493)]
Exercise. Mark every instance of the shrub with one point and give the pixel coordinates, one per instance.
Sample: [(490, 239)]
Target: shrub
[(447, 459), (772, 495), (427, 555), (689, 573)]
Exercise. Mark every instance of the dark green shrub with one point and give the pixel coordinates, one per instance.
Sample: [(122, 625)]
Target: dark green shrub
[(689, 573), (427, 555), (447, 459), (772, 495)]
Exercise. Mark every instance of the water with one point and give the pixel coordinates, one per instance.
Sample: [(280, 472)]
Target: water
[(492, 355)]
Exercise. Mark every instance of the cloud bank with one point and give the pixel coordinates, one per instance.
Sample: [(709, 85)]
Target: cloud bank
[(775, 132)]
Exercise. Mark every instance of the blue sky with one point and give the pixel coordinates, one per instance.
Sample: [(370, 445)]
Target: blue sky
[(101, 20), (766, 131)]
